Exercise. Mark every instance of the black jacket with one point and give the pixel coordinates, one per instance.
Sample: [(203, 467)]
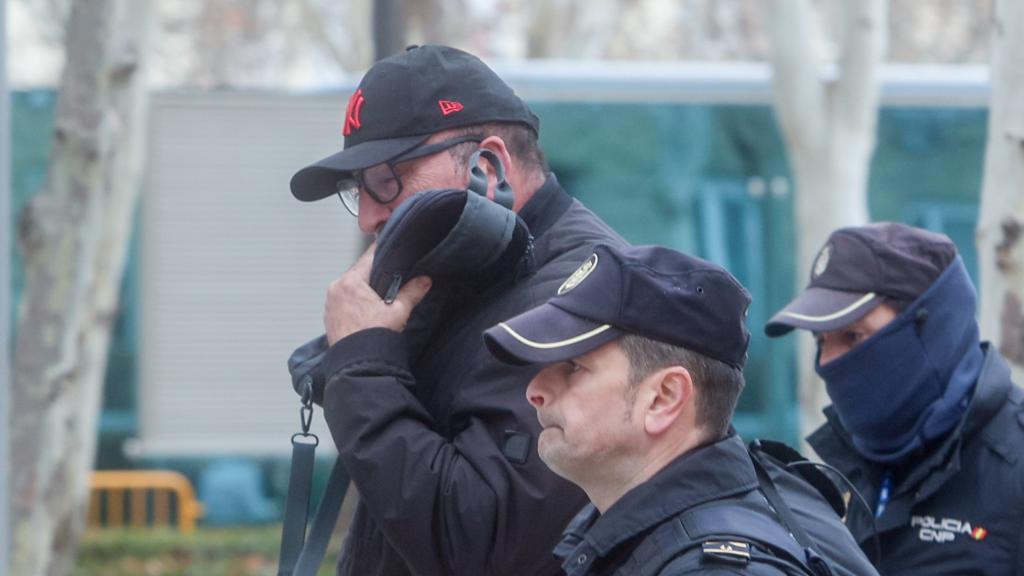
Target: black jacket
[(440, 441), (959, 507), (706, 513)]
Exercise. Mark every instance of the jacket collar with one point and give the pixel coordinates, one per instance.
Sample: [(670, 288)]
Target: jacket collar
[(546, 206), (711, 472), (990, 394)]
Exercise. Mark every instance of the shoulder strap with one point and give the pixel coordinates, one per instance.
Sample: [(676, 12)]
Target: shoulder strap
[(323, 523), (787, 456), (812, 472), (814, 559), (296, 509), (723, 531), (301, 555)]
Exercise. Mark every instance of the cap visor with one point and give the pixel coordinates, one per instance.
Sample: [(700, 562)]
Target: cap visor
[(320, 179), (822, 310), (545, 335)]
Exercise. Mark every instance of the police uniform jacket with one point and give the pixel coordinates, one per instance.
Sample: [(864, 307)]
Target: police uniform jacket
[(706, 513), (959, 507), (440, 441)]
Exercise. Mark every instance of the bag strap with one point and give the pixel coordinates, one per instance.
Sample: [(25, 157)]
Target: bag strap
[(796, 463), (323, 523), (301, 556), (814, 558), (300, 483)]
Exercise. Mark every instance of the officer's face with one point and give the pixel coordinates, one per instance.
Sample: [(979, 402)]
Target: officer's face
[(587, 410), (832, 345), (433, 172)]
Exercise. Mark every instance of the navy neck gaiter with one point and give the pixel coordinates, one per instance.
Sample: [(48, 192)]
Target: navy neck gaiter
[(910, 383)]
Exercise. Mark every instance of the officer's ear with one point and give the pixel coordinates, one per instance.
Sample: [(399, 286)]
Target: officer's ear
[(670, 399)]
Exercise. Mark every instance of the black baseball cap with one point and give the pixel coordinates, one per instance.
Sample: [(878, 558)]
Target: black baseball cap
[(858, 268), (650, 291), (404, 99)]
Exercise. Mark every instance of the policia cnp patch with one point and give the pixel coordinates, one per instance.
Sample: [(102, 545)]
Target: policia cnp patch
[(726, 551)]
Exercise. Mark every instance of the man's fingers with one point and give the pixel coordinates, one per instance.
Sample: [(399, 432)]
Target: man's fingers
[(413, 292)]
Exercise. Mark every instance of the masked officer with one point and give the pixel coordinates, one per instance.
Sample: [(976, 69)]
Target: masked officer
[(643, 350), (924, 418)]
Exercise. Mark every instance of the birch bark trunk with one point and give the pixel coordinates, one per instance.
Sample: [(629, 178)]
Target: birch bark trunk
[(74, 237), (829, 128), (1001, 219)]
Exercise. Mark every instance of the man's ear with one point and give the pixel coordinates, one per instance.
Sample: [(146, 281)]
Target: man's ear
[(670, 397), (497, 145)]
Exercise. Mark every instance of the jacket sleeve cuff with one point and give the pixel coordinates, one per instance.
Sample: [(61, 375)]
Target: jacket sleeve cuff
[(374, 347)]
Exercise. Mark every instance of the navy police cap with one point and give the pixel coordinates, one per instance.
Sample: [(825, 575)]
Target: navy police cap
[(650, 291), (858, 268)]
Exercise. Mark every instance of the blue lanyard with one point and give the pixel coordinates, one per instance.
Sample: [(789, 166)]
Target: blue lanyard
[(883, 494)]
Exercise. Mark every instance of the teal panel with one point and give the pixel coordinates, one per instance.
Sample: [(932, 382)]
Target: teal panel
[(927, 171), (679, 175), (633, 164), (32, 115)]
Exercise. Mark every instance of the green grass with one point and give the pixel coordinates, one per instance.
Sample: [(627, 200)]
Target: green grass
[(249, 551)]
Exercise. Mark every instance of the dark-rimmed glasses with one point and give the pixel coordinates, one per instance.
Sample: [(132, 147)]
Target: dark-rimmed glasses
[(381, 181)]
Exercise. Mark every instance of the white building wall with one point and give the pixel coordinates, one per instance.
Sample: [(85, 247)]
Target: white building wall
[(233, 269)]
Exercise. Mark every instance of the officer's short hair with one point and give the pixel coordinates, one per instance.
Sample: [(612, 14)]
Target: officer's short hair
[(718, 384)]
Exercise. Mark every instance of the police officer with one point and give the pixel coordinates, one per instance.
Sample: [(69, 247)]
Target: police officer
[(924, 418), (642, 352)]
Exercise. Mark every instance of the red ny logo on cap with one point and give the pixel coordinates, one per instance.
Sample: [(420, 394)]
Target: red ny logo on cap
[(355, 105), (449, 107)]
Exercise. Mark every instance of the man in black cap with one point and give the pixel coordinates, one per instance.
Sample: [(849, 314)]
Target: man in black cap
[(643, 350), (433, 431), (924, 418)]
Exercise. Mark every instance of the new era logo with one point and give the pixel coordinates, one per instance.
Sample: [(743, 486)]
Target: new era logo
[(449, 106)]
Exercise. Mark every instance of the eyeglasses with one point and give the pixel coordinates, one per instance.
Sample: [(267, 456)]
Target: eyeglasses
[(381, 181)]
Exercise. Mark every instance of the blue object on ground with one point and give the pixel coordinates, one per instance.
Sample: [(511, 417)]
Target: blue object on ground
[(232, 493)]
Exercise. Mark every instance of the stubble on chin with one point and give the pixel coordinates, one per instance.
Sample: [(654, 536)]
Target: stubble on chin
[(554, 456)]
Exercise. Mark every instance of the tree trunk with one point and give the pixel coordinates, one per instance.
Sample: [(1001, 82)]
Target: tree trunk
[(5, 302), (74, 238), (1001, 222), (829, 130)]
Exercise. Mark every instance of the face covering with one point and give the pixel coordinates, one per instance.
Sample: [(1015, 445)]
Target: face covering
[(910, 383)]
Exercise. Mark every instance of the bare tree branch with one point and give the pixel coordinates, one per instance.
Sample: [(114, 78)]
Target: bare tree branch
[(314, 22)]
